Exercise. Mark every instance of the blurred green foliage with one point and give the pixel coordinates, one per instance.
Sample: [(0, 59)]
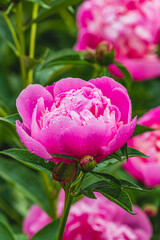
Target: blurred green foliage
[(21, 186)]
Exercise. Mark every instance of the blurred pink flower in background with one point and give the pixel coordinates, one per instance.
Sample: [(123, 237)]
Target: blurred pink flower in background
[(147, 170), (132, 26), (97, 219), (75, 117)]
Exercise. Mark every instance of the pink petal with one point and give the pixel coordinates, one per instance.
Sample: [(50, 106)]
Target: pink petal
[(121, 100), (122, 136), (67, 84), (37, 113), (86, 40), (140, 223), (32, 145), (27, 101), (151, 175), (141, 68), (117, 94), (107, 85), (50, 88), (50, 137), (35, 220), (151, 117), (85, 140)]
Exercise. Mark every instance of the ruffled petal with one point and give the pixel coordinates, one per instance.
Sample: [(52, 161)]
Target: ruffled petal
[(67, 84), (27, 101), (117, 94), (107, 85), (122, 136)]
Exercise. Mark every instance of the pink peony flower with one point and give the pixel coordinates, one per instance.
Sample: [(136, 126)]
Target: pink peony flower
[(132, 26), (97, 219), (35, 220), (147, 170), (75, 117)]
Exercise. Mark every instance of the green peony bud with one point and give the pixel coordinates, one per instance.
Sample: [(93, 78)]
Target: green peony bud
[(88, 163)]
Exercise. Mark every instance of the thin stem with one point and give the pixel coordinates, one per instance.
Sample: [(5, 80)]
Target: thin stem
[(79, 184), (19, 25), (68, 202), (13, 33), (51, 195), (33, 40)]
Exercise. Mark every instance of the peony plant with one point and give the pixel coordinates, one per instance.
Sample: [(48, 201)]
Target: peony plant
[(78, 125), (73, 133)]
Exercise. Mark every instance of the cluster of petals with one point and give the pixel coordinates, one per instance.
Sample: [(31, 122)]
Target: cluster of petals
[(147, 170), (131, 26), (94, 219), (75, 117)]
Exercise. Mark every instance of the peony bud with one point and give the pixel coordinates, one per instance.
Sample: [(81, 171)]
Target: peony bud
[(105, 53), (150, 210), (88, 163), (64, 172)]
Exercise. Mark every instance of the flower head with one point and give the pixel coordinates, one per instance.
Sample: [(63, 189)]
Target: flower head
[(75, 117), (95, 219), (132, 27)]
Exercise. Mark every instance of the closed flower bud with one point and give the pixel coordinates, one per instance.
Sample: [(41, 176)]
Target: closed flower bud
[(150, 210), (88, 163)]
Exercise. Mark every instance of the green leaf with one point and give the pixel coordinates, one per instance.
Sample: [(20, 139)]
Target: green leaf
[(24, 179), (31, 160), (64, 156), (113, 193), (10, 120), (49, 232), (115, 155), (141, 129), (124, 151), (88, 193), (129, 185), (5, 230), (66, 56), (30, 63), (55, 7), (40, 2), (126, 75), (107, 178), (132, 152)]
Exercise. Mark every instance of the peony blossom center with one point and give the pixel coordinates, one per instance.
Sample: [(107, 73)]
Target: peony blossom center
[(84, 106)]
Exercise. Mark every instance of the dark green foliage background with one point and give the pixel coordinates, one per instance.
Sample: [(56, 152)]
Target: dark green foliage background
[(21, 186)]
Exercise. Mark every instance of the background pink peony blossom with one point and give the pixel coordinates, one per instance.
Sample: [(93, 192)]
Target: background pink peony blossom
[(75, 117), (97, 219), (147, 170), (133, 27)]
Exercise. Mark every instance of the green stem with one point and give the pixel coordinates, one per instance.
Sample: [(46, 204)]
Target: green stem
[(13, 33), (68, 202), (51, 194), (33, 41), (19, 25)]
